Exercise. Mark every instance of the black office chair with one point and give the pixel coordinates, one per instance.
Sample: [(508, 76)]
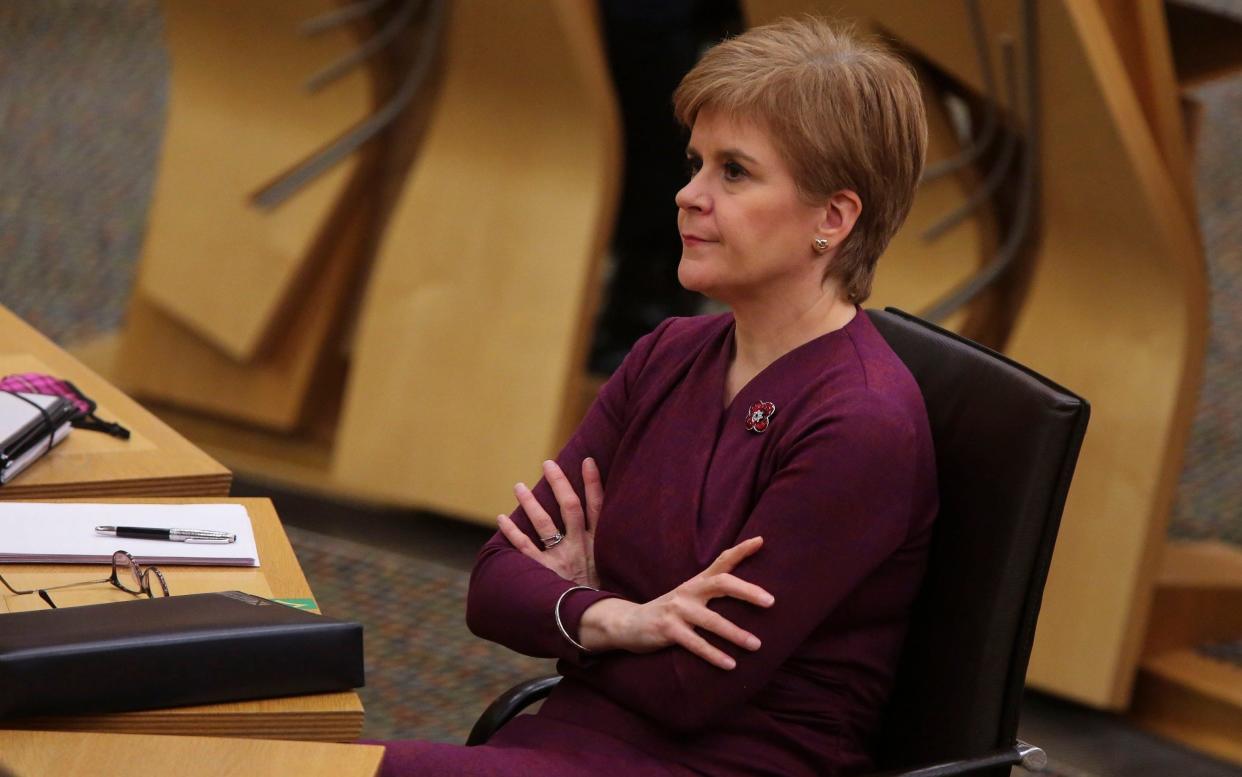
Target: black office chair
[(1006, 444)]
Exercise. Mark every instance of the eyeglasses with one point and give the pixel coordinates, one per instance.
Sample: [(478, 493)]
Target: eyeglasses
[(127, 575)]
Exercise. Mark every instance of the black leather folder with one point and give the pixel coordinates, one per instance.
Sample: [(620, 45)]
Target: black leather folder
[(168, 652)]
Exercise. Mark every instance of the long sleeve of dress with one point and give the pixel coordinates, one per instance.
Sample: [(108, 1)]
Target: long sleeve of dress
[(512, 597), (836, 508)]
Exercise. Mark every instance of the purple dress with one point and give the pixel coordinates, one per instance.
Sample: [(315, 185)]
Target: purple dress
[(842, 487)]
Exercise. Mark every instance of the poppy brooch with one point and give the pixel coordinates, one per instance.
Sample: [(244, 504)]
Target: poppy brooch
[(759, 416)]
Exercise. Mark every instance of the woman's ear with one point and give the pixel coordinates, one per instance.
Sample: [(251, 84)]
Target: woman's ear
[(840, 214)]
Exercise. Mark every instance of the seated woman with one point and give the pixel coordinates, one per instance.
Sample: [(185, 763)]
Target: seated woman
[(736, 604)]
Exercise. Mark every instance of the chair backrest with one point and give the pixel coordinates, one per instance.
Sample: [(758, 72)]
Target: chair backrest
[(1006, 443)]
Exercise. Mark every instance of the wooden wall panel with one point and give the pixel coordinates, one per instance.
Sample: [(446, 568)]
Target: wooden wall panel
[(470, 343)]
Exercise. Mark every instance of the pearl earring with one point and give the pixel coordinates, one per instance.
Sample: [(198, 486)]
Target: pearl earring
[(822, 245)]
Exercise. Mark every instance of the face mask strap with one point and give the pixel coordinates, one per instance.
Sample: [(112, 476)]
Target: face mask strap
[(92, 422)]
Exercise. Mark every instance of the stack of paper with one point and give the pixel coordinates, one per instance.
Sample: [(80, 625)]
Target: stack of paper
[(41, 533)]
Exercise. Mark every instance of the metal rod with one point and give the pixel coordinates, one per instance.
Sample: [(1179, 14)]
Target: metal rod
[(995, 176), (980, 144), (387, 34), (284, 186), (1027, 192), (346, 13), (1034, 759)]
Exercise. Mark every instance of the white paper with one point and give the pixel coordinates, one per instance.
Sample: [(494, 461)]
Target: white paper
[(53, 533), (15, 413)]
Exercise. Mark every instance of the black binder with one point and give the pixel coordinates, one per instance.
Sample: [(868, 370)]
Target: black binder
[(169, 652)]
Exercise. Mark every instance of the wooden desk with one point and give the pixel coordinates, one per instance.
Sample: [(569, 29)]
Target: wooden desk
[(34, 753), (326, 717), (155, 461)]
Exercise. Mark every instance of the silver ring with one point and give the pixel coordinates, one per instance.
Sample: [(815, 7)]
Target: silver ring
[(553, 541)]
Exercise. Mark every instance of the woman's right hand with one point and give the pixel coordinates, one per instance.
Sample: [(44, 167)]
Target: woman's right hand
[(615, 624), (573, 555)]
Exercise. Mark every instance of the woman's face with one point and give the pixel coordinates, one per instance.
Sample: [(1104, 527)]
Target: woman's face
[(743, 226)]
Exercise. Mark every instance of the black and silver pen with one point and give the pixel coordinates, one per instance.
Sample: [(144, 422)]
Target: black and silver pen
[(171, 535)]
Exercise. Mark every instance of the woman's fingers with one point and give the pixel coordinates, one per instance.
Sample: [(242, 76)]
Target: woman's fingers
[(686, 607), (572, 515), (722, 627), (517, 538), (730, 558), (594, 488), (539, 517), (566, 497), (726, 584), (686, 636)]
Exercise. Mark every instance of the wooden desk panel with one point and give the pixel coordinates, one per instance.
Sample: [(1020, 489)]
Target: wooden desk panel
[(327, 717), (31, 753)]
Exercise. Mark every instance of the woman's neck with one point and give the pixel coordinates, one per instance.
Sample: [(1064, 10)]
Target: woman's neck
[(766, 331)]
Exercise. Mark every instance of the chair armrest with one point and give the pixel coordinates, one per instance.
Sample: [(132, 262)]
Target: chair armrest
[(1029, 757), (509, 704)]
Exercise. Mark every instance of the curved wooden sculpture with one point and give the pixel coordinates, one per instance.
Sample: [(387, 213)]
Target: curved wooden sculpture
[(164, 358), (915, 271), (1115, 307), (471, 338), (486, 270), (238, 116)]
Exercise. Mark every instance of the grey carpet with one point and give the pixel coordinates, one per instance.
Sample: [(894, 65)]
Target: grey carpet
[(83, 89)]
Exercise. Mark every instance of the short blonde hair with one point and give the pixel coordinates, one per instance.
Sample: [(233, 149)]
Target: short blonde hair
[(844, 112)]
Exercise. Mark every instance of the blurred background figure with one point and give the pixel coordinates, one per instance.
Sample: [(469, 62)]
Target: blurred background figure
[(650, 45)]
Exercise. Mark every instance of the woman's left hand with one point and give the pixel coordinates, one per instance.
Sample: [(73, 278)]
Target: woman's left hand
[(573, 558)]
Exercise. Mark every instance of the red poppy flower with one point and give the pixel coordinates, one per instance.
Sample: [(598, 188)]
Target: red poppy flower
[(759, 416)]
